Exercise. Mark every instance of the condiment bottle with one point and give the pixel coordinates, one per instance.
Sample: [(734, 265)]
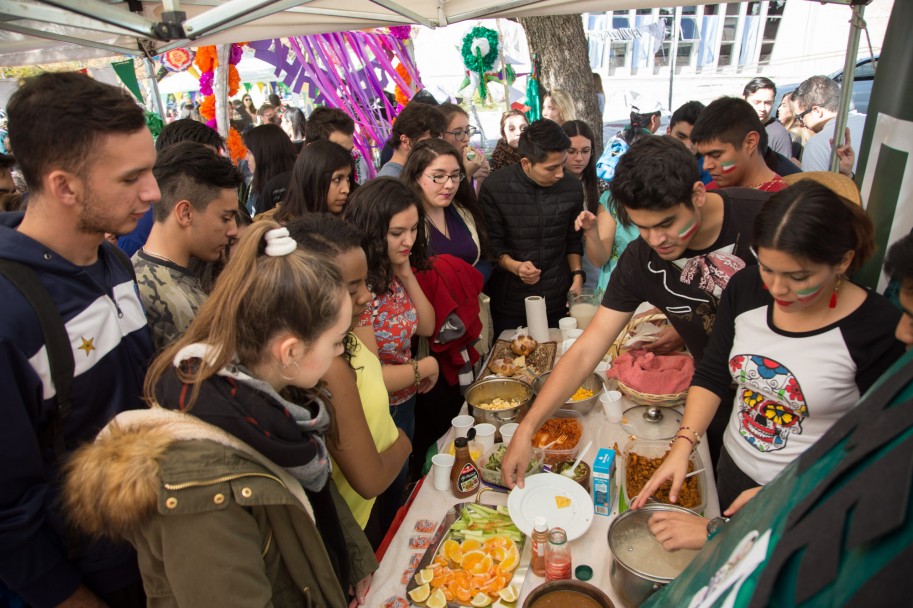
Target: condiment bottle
[(540, 542), (464, 478), (557, 556)]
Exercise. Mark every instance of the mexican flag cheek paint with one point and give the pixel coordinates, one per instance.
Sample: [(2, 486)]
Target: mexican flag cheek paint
[(727, 166), (804, 295), (689, 229)]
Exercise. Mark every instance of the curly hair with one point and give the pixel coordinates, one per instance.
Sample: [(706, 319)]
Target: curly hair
[(370, 209)]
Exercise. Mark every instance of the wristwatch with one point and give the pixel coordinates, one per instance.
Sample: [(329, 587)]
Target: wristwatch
[(714, 525), (580, 272)]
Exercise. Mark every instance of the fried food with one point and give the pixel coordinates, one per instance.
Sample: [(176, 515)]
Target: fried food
[(638, 471)]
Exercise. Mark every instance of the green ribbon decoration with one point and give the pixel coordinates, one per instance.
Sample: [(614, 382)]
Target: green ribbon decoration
[(154, 123), (126, 73)]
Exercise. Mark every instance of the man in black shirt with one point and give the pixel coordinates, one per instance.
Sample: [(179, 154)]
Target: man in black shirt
[(691, 242)]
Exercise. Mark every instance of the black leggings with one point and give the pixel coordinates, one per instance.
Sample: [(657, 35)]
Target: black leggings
[(730, 480)]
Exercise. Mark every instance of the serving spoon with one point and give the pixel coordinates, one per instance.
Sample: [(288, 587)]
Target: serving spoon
[(570, 472)]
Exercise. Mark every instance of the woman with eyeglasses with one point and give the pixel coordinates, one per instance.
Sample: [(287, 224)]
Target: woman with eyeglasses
[(458, 133), (513, 124), (454, 221), (457, 239)]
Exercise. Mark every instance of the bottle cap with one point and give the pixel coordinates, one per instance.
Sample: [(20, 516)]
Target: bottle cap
[(460, 442), (540, 524), (583, 573)]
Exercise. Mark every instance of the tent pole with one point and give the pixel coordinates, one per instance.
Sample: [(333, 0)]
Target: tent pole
[(673, 52), (154, 87), (857, 23), (503, 67)]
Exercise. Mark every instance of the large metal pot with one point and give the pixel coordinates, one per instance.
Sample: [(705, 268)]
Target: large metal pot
[(486, 390), (640, 565), (568, 585)]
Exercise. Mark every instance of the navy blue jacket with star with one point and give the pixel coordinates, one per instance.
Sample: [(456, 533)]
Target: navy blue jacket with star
[(100, 306)]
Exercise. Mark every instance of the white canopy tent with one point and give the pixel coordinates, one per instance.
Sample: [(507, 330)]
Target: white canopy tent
[(44, 31)]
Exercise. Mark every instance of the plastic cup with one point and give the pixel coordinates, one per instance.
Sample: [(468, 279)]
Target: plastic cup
[(573, 334), (565, 324), (507, 432), (601, 368), (485, 436), (611, 403), (462, 424), (441, 466)]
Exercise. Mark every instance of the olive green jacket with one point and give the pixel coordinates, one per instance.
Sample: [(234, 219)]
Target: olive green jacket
[(214, 523)]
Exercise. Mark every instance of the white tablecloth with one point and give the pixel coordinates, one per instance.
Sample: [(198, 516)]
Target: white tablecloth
[(591, 549)]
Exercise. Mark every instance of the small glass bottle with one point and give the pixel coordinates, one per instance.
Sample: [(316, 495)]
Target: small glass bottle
[(540, 542), (557, 556)]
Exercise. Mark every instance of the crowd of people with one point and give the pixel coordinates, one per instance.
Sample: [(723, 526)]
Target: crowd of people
[(215, 368)]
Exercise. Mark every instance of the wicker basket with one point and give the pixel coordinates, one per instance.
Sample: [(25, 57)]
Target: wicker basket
[(634, 395)]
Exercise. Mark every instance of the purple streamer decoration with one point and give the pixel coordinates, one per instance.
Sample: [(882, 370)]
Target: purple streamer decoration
[(206, 79)]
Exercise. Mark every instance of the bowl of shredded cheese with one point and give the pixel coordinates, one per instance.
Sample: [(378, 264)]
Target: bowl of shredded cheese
[(584, 398)]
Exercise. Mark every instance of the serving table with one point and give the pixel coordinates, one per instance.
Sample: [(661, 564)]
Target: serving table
[(428, 504)]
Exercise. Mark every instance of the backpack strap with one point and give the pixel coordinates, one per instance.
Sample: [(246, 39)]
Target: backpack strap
[(123, 260), (57, 342)]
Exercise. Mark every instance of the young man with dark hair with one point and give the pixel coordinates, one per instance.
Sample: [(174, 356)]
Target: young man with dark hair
[(691, 243), (682, 122), (728, 136), (760, 92), (817, 100), (89, 172), (184, 129), (530, 208), (196, 216), (338, 127), (416, 122)]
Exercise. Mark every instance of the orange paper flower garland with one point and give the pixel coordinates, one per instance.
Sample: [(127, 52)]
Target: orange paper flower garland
[(402, 97), (207, 60)]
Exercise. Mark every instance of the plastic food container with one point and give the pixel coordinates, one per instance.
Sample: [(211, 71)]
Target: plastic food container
[(652, 448), (561, 452), (493, 476)]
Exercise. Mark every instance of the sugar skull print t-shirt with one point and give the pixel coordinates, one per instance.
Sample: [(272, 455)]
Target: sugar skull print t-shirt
[(790, 386)]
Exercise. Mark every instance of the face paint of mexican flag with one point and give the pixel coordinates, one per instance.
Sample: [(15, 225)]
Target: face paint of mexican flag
[(689, 230), (728, 166), (809, 293)]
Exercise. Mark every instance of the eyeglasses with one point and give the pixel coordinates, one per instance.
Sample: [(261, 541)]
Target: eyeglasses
[(584, 152), (459, 134), (800, 117), (456, 178)]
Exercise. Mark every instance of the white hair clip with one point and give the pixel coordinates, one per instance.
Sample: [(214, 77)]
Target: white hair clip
[(279, 243)]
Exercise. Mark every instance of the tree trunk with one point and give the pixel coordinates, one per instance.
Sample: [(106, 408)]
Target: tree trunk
[(565, 64)]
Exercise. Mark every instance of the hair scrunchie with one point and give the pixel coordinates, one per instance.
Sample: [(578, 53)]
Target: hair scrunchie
[(279, 243)]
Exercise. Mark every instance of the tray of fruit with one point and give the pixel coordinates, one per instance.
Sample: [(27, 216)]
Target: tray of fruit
[(477, 557)]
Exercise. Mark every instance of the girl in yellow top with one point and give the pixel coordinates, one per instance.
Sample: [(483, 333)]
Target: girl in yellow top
[(370, 450)]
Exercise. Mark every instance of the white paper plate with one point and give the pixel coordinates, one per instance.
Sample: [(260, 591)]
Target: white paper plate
[(538, 498)]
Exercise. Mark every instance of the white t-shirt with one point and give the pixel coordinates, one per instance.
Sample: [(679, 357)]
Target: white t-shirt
[(790, 386), (817, 153)]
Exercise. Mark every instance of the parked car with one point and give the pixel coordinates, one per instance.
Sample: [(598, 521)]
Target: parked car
[(863, 78)]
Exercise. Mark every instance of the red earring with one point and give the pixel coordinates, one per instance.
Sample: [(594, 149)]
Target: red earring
[(765, 287), (833, 302)]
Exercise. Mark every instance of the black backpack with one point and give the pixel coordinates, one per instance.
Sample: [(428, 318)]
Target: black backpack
[(56, 340)]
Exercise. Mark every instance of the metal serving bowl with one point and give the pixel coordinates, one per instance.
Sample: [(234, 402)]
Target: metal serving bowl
[(582, 407), (597, 595), (488, 389)]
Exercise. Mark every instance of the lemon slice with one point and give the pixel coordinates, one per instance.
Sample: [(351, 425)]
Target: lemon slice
[(424, 576), (420, 594), (509, 594), (562, 502), (480, 600), (437, 599)]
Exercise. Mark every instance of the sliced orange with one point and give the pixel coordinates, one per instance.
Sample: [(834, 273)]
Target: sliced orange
[(451, 550), (471, 559), (463, 594), (448, 594), (510, 561), (497, 541), (470, 544)]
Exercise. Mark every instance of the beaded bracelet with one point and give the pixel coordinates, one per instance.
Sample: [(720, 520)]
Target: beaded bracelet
[(688, 428), (686, 438), (418, 375)]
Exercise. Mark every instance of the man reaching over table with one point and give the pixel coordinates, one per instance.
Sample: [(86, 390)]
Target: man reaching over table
[(691, 242)]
